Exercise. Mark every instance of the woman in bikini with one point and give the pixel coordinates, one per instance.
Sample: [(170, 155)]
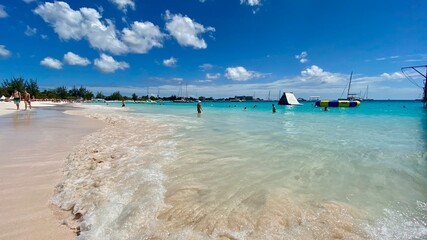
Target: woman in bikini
[(27, 99)]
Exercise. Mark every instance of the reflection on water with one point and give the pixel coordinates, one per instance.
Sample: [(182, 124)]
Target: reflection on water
[(23, 118)]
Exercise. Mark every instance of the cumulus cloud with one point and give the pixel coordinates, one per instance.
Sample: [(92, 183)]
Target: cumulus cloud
[(86, 23), (51, 63), (170, 62), (30, 31), (142, 36), (240, 74), (74, 59), (395, 75), (124, 4), (213, 76), (251, 2), (186, 31), (302, 57), (4, 52), (107, 64), (315, 73), (3, 13)]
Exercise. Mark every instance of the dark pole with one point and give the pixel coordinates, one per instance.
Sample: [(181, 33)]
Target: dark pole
[(425, 87)]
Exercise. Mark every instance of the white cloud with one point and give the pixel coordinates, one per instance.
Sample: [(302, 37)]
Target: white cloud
[(142, 37), (74, 59), (170, 62), (124, 4), (213, 76), (206, 66), (186, 31), (395, 75), (302, 57), (4, 52), (51, 63), (67, 23), (316, 74), (240, 74), (28, 1), (204, 81), (85, 23), (3, 13), (251, 2), (107, 64), (30, 31)]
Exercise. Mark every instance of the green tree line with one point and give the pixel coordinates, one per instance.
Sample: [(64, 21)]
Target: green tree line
[(75, 93), (9, 85)]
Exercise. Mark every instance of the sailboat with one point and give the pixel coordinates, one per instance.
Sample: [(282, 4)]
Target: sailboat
[(149, 101), (351, 101), (366, 95), (351, 96)]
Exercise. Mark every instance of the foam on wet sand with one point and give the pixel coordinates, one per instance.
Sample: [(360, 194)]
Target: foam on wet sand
[(33, 147)]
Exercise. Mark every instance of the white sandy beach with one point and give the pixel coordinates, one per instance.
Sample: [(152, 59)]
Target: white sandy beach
[(33, 150)]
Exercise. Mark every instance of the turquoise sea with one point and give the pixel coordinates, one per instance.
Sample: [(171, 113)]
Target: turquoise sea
[(161, 171)]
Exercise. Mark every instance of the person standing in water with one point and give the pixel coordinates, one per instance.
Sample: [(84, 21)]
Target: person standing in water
[(199, 107), (123, 103), (27, 99), (16, 98), (274, 108)]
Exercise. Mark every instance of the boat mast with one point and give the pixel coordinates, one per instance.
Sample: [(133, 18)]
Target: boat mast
[(180, 90), (349, 85), (367, 89)]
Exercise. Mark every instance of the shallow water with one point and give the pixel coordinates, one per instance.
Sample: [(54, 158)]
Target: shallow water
[(164, 172)]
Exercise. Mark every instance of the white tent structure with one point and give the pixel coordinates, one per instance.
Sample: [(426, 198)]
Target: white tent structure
[(2, 98), (288, 98)]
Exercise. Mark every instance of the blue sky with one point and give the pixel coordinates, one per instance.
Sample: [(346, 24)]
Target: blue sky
[(216, 48)]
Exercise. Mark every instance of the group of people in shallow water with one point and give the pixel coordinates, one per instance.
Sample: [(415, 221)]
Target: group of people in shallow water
[(273, 108), (17, 97), (200, 110), (199, 107)]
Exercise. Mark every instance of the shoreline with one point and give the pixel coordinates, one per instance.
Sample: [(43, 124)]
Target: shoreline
[(32, 165), (9, 107)]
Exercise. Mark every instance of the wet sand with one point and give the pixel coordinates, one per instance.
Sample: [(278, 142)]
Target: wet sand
[(33, 147)]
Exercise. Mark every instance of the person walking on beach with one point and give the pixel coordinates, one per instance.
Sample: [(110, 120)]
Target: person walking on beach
[(274, 108), (199, 107), (27, 99), (123, 103), (16, 98)]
